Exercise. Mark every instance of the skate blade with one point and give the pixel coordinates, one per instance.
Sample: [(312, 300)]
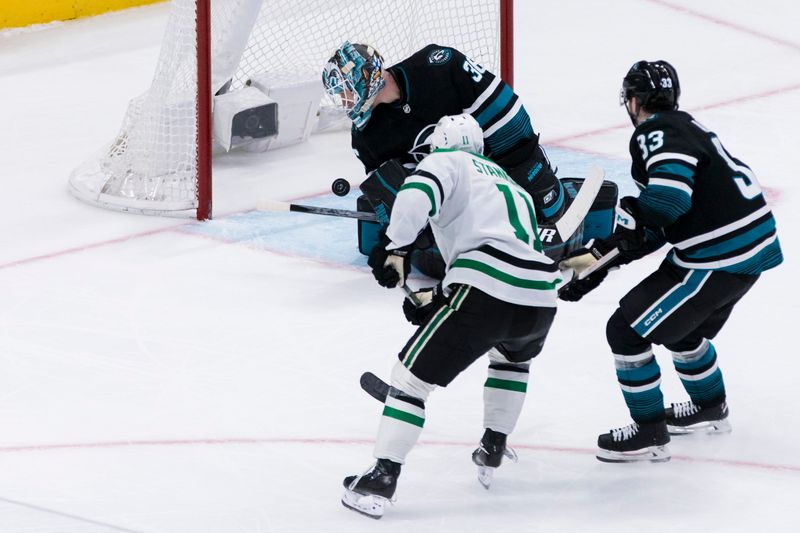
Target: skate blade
[(367, 504), (715, 427), (485, 476), (653, 454)]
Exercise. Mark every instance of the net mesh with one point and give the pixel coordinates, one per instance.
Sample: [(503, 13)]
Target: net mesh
[(150, 167)]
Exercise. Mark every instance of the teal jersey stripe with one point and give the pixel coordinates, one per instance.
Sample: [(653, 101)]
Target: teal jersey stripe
[(427, 190), (497, 105), (509, 135), (769, 257), (663, 205), (504, 277), (674, 168), (734, 243), (402, 416), (506, 384)]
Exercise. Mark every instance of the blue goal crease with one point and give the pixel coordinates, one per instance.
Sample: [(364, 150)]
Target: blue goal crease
[(334, 240)]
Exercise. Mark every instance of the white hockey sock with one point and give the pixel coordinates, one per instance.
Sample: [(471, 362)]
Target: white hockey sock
[(403, 415), (504, 395)]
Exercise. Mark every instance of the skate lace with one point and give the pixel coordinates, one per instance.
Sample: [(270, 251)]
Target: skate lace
[(624, 433), (685, 409)]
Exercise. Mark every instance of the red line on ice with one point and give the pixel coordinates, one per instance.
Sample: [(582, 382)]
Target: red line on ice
[(337, 441), (721, 22)]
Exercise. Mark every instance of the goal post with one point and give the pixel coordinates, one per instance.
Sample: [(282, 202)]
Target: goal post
[(246, 74)]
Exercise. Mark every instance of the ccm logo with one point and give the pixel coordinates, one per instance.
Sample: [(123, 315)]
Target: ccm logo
[(546, 235), (657, 313)]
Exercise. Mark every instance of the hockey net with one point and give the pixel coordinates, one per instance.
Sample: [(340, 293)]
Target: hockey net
[(151, 166)]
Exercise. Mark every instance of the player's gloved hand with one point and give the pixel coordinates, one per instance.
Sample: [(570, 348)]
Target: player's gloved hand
[(578, 261), (430, 299), (578, 288), (390, 267)]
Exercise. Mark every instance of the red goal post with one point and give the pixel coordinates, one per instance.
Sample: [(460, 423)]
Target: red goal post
[(160, 161)]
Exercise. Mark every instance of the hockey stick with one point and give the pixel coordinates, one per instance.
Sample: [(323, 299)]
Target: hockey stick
[(599, 264), (273, 205), (374, 386), (571, 220)]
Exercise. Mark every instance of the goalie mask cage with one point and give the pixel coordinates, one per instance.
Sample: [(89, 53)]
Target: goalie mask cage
[(160, 161)]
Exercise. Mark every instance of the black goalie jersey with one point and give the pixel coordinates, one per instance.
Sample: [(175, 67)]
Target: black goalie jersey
[(439, 81), (709, 203)]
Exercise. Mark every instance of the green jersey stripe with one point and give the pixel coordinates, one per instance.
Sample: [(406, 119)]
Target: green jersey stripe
[(505, 277), (427, 189)]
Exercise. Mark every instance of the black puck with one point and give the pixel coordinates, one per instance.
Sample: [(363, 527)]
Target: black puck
[(340, 187)]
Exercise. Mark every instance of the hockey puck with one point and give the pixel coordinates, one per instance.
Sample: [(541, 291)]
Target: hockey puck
[(340, 187)]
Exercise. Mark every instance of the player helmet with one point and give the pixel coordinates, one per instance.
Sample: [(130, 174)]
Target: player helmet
[(654, 83), (352, 78), (457, 132)]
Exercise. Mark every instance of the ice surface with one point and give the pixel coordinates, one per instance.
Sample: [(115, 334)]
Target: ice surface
[(165, 376)]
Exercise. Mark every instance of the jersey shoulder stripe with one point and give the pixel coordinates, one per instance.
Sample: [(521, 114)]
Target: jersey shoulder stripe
[(433, 178), (425, 188)]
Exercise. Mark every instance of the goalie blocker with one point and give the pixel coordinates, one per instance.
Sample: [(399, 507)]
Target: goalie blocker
[(380, 189)]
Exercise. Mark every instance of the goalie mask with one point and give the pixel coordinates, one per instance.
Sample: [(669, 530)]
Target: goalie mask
[(352, 78), (458, 132)]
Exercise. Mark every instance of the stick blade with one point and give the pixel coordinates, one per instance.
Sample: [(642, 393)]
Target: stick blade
[(580, 206), (273, 205)]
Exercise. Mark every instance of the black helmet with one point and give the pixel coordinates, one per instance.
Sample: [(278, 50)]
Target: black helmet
[(654, 83)]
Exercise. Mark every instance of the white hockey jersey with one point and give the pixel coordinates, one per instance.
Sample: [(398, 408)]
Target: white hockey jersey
[(484, 225)]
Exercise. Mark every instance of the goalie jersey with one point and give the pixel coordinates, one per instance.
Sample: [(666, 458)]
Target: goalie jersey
[(484, 225), (439, 81), (709, 203)]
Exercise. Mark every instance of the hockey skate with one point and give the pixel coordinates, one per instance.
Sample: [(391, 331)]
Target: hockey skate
[(645, 442), (687, 417), (489, 455), (368, 493)]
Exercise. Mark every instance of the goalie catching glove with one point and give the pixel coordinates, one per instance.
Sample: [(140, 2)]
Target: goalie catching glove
[(390, 267), (631, 239)]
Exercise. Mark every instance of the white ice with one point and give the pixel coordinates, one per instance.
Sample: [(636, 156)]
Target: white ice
[(159, 375)]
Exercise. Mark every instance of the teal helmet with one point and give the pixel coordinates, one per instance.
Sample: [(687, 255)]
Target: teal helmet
[(352, 78)]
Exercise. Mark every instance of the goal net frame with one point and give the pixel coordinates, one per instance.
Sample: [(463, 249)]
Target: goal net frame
[(122, 197)]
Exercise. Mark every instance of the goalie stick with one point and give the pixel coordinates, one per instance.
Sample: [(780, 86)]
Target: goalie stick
[(274, 205), (571, 220)]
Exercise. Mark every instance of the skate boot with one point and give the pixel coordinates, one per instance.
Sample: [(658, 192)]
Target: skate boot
[(636, 442), (368, 493), (489, 455), (688, 417)]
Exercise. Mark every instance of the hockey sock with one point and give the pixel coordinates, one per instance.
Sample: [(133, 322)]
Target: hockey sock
[(700, 375), (640, 378), (503, 395), (400, 427), (403, 415)]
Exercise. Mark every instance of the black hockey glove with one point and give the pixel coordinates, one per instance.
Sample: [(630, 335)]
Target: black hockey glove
[(431, 300), (390, 268), (580, 260), (633, 238)]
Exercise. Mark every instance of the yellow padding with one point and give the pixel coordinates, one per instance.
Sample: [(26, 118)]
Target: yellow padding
[(15, 13)]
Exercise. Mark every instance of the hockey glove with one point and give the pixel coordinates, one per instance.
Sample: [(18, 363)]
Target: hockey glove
[(390, 267), (431, 300), (580, 260)]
